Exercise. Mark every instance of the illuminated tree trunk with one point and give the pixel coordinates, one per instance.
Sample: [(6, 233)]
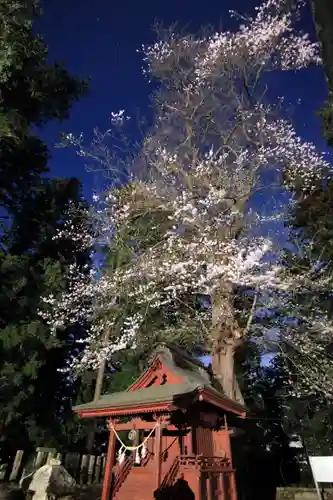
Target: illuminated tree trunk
[(323, 19), (97, 396), (223, 363), (226, 339)]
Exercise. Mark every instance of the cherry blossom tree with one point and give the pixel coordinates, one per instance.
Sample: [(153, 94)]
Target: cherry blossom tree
[(188, 244)]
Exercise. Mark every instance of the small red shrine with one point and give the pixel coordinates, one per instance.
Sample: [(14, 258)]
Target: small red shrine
[(177, 418)]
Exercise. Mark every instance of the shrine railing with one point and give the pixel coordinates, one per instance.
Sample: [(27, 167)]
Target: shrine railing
[(147, 458), (171, 475), (205, 463), (122, 473)]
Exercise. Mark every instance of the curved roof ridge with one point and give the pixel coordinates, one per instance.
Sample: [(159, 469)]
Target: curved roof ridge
[(169, 346)]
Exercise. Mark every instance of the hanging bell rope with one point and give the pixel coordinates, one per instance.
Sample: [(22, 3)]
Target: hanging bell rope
[(132, 448)]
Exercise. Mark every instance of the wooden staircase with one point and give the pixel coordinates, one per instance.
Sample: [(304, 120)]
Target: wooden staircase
[(139, 483), (171, 475), (134, 483), (138, 486), (121, 475)]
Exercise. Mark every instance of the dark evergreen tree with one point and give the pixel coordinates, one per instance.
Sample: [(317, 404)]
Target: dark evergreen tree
[(32, 92), (35, 396), (265, 442), (311, 236), (309, 417)]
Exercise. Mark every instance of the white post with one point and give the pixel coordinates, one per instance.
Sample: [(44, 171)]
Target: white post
[(16, 465), (322, 471)]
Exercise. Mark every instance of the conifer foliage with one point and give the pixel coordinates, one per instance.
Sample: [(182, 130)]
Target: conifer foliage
[(34, 395)]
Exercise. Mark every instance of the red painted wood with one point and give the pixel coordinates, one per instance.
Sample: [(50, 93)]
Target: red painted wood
[(193, 477), (209, 487), (227, 440), (108, 466), (141, 482), (194, 456), (119, 411), (141, 425), (221, 443), (154, 376), (138, 486), (205, 442), (221, 401), (233, 489), (158, 451), (221, 487)]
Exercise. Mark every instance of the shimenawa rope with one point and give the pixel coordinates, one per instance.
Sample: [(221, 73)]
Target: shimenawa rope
[(132, 448)]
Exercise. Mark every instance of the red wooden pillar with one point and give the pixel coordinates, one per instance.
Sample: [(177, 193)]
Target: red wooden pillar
[(232, 477), (189, 441), (220, 482), (194, 446), (190, 436), (158, 449), (109, 464), (209, 487), (186, 450), (227, 440), (233, 489)]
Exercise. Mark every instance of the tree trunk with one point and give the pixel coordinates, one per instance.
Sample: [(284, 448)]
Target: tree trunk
[(97, 396), (226, 339), (323, 19), (223, 363)]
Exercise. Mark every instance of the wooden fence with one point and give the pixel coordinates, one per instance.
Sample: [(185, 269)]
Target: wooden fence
[(86, 469)]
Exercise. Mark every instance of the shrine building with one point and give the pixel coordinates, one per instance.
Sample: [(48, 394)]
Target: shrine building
[(180, 426)]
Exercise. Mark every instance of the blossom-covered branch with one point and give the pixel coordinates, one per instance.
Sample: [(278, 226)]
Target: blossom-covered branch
[(181, 227)]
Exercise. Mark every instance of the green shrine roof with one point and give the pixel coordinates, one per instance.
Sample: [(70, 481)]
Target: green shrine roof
[(153, 394), (194, 377)]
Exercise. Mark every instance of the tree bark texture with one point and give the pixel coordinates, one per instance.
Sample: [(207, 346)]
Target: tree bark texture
[(226, 338), (322, 11), (97, 396)]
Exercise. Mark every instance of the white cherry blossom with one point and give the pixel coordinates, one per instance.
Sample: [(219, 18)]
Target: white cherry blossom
[(184, 217)]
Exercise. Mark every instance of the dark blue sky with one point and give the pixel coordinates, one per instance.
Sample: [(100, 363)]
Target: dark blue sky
[(99, 39)]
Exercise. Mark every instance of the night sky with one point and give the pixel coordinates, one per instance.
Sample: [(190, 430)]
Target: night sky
[(99, 39)]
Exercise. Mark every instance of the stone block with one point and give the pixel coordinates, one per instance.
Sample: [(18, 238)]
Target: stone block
[(49, 481)]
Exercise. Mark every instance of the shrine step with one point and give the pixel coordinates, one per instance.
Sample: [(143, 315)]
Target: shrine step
[(137, 486), (143, 471)]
